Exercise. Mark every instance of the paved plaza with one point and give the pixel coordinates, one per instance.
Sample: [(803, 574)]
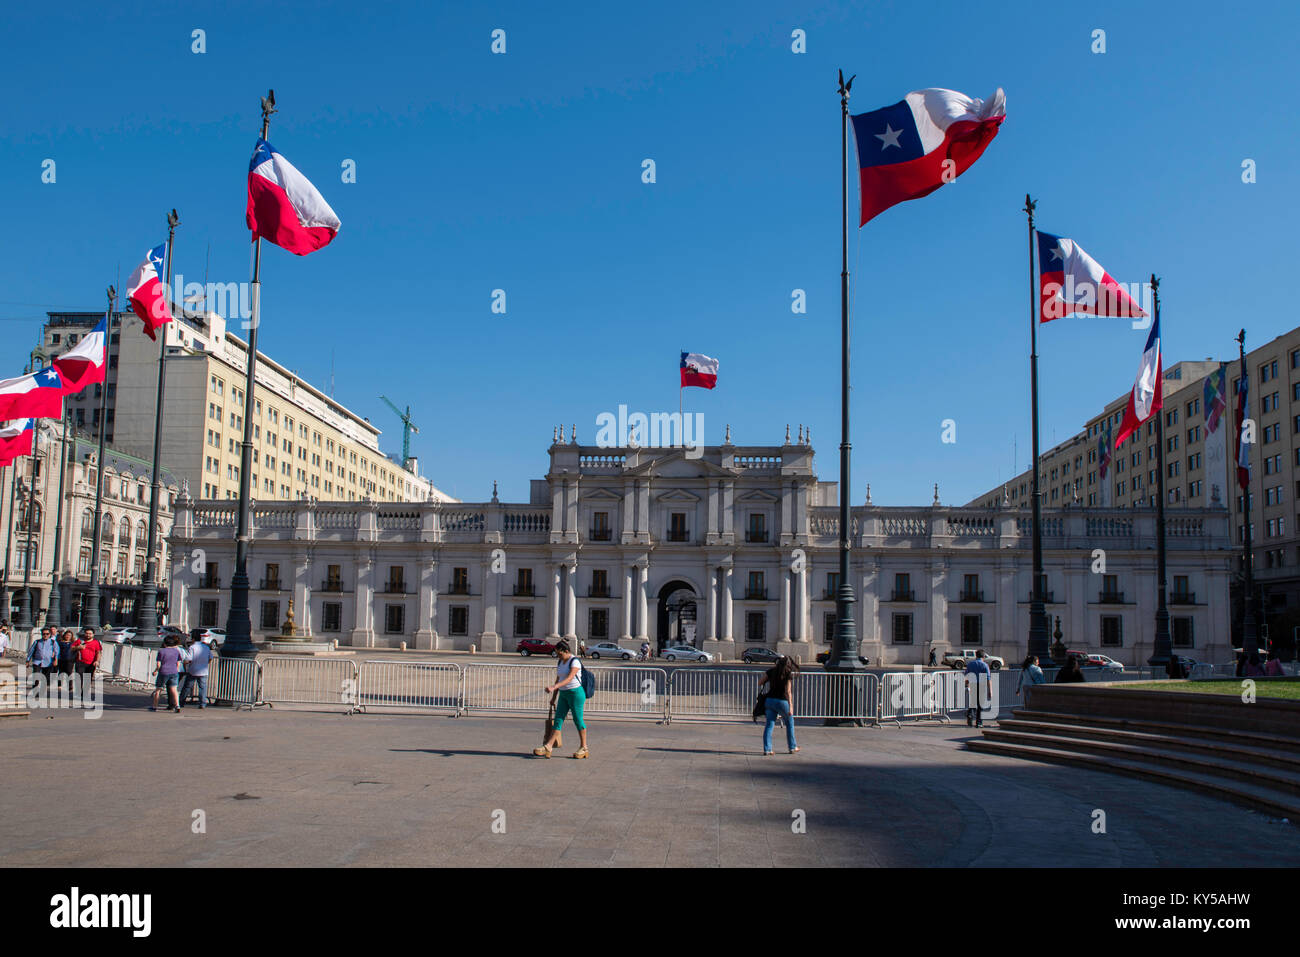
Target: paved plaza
[(298, 788)]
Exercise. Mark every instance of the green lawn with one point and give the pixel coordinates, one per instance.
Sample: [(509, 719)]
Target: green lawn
[(1270, 688)]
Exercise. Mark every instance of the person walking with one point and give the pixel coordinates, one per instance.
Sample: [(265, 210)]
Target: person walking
[(168, 666), (196, 672), (1071, 672), (1030, 674), (933, 659), (780, 701), (4, 641), (67, 656), (88, 651), (979, 668), (43, 655), (569, 696)]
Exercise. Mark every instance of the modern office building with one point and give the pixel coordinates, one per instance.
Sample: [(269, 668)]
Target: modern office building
[(733, 549)]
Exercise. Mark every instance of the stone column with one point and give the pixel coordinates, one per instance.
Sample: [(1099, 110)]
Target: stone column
[(490, 638), (727, 634), (643, 611), (643, 510), (711, 533), (801, 609), (783, 623), (553, 605), (571, 519), (711, 631), (628, 594), (570, 601), (629, 512), (363, 634), (557, 509), (426, 632), (302, 594)]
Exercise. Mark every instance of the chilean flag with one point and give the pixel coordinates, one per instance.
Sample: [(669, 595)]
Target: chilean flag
[(1243, 448), (1147, 396), (1104, 451), (148, 296), (16, 440), (37, 396), (699, 370), (928, 138), (83, 364), (283, 205), (1070, 281)]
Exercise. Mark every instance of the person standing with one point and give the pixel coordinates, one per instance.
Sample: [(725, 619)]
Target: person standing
[(1030, 674), (196, 672), (780, 701), (4, 641), (89, 651), (1071, 672), (43, 655), (168, 666), (933, 660), (570, 697), (977, 672), (67, 656)]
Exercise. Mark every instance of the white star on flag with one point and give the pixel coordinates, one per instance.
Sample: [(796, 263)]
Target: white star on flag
[(889, 137)]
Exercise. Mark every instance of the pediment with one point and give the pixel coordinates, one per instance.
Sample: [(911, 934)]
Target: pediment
[(679, 495), (758, 497), (600, 495), (676, 464)]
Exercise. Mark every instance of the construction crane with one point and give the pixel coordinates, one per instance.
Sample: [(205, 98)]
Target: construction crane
[(407, 428)]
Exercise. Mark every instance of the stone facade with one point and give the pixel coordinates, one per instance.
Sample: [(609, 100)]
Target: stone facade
[(732, 548)]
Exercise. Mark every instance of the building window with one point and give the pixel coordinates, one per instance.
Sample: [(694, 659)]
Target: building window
[(523, 623), (755, 589), (1182, 631), (902, 587), (459, 620), (677, 527), (270, 615), (396, 584), (755, 626), (757, 530), (598, 623), (331, 615), (394, 619), (903, 628), (600, 531), (1112, 631), (829, 621), (524, 582), (599, 583), (460, 581), (208, 613), (972, 629)]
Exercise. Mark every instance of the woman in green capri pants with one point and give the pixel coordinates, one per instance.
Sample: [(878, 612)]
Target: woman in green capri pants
[(568, 683)]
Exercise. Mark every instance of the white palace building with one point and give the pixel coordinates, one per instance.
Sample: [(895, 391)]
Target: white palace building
[(725, 547)]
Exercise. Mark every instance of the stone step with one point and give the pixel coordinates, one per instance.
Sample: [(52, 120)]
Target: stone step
[(1227, 750), (1237, 769), (13, 713), (1250, 738), (1255, 796)]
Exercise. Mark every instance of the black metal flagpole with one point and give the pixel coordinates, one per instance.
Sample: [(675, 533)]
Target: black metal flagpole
[(24, 617), (9, 538), (54, 614), (239, 625), (1249, 627), (844, 648), (1037, 610), (148, 614), (1162, 654), (90, 604)]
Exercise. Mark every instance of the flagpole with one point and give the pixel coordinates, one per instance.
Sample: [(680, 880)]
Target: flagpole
[(9, 536), (24, 617), (239, 626), (1249, 629), (1163, 651), (1037, 609), (90, 604), (844, 646), (54, 613), (147, 615)]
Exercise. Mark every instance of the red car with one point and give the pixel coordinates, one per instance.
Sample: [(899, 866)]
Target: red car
[(535, 646)]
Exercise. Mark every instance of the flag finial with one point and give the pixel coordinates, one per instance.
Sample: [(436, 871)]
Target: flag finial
[(868, 493), (936, 493), (787, 433), (727, 438)]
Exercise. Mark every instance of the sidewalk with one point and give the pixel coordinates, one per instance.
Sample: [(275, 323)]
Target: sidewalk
[(300, 788)]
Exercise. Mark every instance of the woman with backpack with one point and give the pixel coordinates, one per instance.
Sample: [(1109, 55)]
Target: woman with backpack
[(568, 688), (780, 700)]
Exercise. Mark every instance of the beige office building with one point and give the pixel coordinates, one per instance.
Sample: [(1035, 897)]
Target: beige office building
[(305, 445)]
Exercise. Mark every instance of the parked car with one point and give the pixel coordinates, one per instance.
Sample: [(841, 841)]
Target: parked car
[(686, 652), (176, 630), (1103, 661), (1186, 663), (958, 658), (610, 650), (120, 635), (209, 635), (535, 646), (754, 655)]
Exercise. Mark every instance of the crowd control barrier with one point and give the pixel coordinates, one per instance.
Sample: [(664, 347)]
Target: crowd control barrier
[(290, 679)]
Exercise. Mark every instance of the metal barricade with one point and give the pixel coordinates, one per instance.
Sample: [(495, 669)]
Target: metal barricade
[(290, 679), (138, 665), (829, 694), (110, 662), (711, 693), (507, 688), (418, 685), (629, 691), (237, 681)]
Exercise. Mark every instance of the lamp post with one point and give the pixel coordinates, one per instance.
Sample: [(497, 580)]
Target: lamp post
[(90, 604), (148, 620), (54, 616), (1249, 628), (1163, 653), (9, 537), (1038, 618)]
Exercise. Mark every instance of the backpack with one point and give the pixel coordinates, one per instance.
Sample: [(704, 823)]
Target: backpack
[(588, 681)]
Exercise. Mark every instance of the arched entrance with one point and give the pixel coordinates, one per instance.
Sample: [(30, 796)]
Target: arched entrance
[(676, 615)]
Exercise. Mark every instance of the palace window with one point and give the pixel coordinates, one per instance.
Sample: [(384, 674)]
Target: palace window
[(902, 628), (331, 615), (270, 615), (458, 620), (394, 619), (598, 623), (523, 623), (755, 626), (972, 629), (1112, 631)]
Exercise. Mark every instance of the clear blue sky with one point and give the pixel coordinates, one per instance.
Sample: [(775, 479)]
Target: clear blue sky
[(523, 172)]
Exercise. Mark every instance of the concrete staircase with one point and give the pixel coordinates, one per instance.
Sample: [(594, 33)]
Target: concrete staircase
[(1259, 769)]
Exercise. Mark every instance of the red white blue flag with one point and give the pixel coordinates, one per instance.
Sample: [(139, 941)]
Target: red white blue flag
[(83, 364), (38, 395), (1071, 281), (1147, 397), (16, 439), (284, 207), (146, 293), (699, 370), (925, 140)]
